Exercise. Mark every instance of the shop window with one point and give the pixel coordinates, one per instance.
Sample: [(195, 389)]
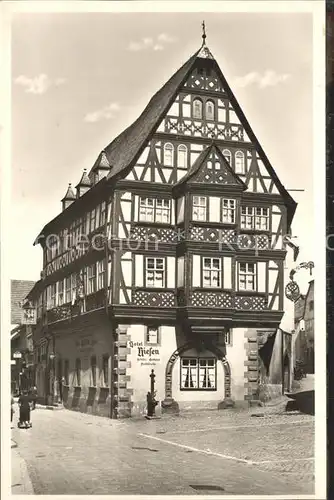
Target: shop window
[(198, 374)]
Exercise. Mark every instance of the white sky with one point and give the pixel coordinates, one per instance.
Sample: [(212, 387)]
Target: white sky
[(79, 79)]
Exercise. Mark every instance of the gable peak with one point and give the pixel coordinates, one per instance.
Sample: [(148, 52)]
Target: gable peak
[(204, 52)]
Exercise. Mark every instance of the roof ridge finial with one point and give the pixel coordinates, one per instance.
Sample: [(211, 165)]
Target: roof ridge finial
[(204, 33)]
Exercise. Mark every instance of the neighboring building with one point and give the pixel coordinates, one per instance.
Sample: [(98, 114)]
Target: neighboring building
[(304, 328), (184, 268), (22, 362)]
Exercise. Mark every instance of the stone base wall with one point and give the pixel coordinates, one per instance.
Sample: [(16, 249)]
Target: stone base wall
[(251, 373)]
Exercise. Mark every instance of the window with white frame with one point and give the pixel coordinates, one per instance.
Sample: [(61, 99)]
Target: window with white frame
[(255, 218), (227, 155), (228, 210), (155, 272), (247, 276), (209, 110), (154, 210), (211, 272), (239, 162), (200, 208), (91, 279), (100, 274), (68, 290), (152, 335), (61, 292), (198, 373), (182, 156), (197, 109), (168, 155)]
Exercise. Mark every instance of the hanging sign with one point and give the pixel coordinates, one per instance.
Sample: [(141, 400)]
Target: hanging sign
[(292, 291), (29, 316)]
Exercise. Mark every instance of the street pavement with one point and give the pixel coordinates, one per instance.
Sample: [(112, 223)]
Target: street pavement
[(219, 452)]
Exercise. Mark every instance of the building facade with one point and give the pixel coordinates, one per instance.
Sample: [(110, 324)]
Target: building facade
[(168, 256), (304, 328)]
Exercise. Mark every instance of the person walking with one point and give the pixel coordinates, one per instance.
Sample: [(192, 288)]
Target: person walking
[(24, 404)]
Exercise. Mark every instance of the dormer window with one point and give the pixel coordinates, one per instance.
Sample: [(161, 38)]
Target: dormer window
[(210, 110), (239, 162), (168, 155), (197, 109), (182, 156)]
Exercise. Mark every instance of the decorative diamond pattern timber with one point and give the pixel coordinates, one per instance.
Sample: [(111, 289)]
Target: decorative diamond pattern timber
[(153, 299), (166, 235)]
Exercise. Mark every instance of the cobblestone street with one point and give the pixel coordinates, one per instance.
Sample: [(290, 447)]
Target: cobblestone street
[(224, 453)]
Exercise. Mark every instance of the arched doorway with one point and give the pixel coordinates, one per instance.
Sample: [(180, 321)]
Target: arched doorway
[(169, 401)]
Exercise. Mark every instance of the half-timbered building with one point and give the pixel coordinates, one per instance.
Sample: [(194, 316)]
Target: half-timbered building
[(168, 256)]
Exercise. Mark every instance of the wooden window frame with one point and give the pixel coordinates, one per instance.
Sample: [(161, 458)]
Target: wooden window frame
[(234, 210), (246, 274), (229, 155), (240, 154), (61, 292), (172, 149), (100, 274), (185, 151), (164, 275), (91, 279), (155, 208), (193, 206), (193, 104), (198, 359), (211, 270), (254, 216), (210, 101)]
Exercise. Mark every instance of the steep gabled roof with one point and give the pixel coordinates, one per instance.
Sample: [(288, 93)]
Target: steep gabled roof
[(127, 146), (200, 162), (19, 291)]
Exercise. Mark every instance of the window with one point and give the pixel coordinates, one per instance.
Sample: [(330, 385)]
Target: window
[(227, 155), (103, 213), (211, 272), (199, 208), (228, 337), (168, 155), (155, 272), (67, 371), (197, 108), (239, 162), (154, 210), (182, 156), (198, 373), (210, 110), (92, 219), (100, 275), (91, 279), (152, 336), (78, 371), (105, 369), (228, 211), (53, 295), (61, 293), (68, 289), (93, 370), (255, 218), (247, 276)]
